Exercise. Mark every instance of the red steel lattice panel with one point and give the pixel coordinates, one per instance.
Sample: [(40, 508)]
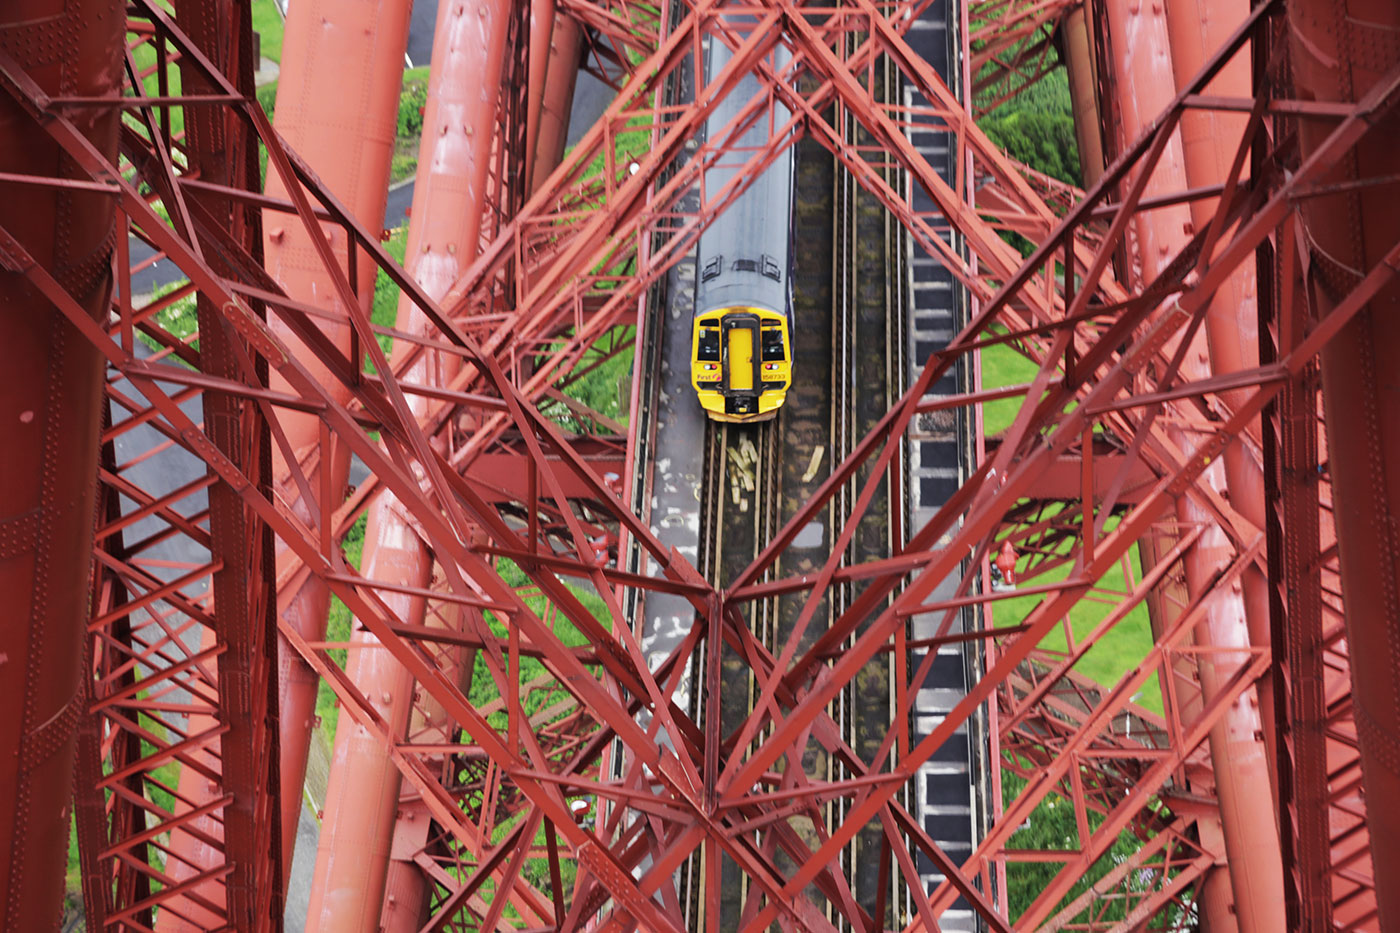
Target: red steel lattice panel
[(1105, 354)]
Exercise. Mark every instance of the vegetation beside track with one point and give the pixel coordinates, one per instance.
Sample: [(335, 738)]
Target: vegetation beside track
[(1037, 127)]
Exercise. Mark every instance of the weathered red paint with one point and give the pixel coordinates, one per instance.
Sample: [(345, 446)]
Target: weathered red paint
[(1069, 728), (449, 200), (345, 127), (1341, 51), (1081, 66), (551, 92), (1144, 82), (51, 409), (341, 120)]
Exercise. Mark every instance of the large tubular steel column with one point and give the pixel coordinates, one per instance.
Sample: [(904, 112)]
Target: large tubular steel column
[(50, 406), (448, 201), (1340, 50), (552, 84), (1209, 139), (406, 888), (1144, 84), (341, 119), (542, 14), (337, 105), (1077, 42)]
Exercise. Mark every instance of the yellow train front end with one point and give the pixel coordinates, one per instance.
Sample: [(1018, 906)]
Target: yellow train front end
[(741, 363)]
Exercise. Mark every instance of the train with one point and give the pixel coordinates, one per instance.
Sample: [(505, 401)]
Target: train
[(741, 339)]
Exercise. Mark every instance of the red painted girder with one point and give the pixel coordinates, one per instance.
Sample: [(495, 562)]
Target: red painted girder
[(934, 89), (504, 477), (241, 546), (1342, 53), (1322, 811), (312, 105), (1063, 481), (1140, 60), (283, 362), (51, 403), (350, 426), (551, 89), (450, 203), (1197, 461)]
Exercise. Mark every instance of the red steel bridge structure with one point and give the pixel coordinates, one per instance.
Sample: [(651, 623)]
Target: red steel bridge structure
[(1211, 406)]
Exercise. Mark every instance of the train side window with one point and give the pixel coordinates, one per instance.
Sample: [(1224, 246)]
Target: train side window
[(713, 267), (707, 346), (770, 268), (772, 344)]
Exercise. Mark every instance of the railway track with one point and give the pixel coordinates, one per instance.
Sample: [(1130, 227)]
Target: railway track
[(871, 271), (758, 476), (855, 342), (738, 509), (848, 297)]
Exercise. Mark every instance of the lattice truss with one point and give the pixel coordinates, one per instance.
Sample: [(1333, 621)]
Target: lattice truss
[(582, 783), (1012, 45)]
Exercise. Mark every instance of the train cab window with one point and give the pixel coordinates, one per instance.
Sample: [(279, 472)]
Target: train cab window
[(746, 265), (770, 268), (707, 346), (772, 344), (712, 268)]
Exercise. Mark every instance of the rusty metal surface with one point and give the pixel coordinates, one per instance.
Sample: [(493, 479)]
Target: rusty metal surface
[(1141, 47)]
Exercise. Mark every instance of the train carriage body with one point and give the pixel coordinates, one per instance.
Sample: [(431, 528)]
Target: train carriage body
[(741, 340)]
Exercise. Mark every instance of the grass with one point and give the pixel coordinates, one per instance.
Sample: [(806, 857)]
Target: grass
[(412, 99), (1123, 647), (267, 23), (1052, 826)]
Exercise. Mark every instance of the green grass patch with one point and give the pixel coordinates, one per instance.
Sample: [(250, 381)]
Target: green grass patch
[(1003, 366), (604, 384), (1122, 648), (409, 130), (338, 626), (385, 309), (267, 23), (1052, 826)]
